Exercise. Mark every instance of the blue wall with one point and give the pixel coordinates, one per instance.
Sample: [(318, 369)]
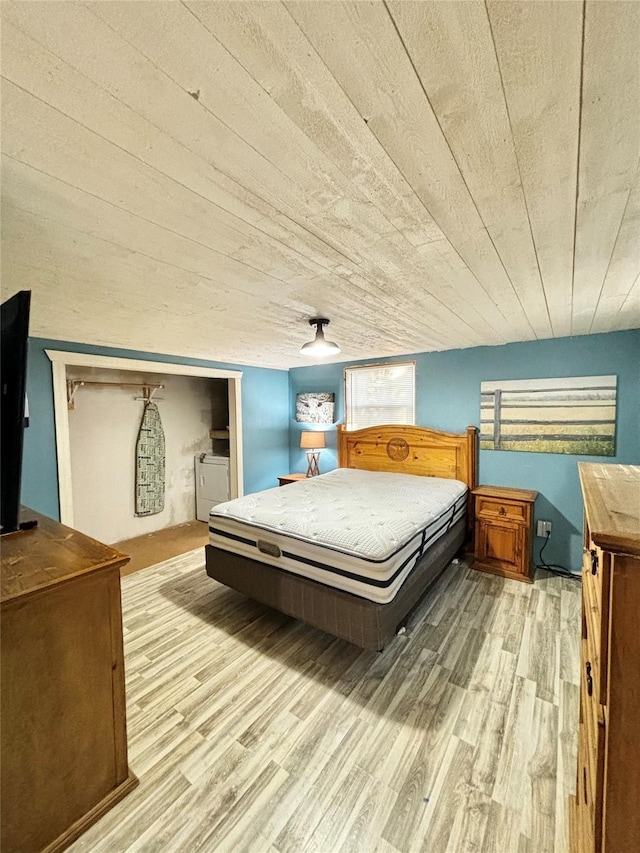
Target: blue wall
[(448, 398), (265, 416)]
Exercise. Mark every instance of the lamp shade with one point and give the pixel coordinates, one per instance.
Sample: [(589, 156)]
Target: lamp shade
[(312, 440), (319, 347)]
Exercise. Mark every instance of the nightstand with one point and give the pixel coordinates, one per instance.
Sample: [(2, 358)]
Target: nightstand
[(290, 478), (504, 531)]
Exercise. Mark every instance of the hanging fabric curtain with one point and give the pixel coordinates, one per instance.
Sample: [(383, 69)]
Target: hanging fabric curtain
[(150, 463)]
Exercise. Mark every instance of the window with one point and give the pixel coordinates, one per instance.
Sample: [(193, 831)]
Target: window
[(380, 394)]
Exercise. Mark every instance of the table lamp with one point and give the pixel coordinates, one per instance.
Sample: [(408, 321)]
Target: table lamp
[(312, 442)]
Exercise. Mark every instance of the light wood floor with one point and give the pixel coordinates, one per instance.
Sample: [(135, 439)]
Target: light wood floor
[(252, 732)]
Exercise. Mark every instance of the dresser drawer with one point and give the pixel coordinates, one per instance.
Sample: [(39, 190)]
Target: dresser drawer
[(595, 632), (593, 741), (585, 805), (495, 508), (596, 565)]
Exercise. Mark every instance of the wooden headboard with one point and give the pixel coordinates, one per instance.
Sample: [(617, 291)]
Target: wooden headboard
[(410, 450), (413, 450)]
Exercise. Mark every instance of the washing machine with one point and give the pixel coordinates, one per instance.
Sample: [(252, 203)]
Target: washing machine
[(212, 483)]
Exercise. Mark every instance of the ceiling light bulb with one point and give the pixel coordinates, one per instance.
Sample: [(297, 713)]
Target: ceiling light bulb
[(319, 347)]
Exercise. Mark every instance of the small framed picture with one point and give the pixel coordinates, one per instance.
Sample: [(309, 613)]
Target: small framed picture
[(315, 408)]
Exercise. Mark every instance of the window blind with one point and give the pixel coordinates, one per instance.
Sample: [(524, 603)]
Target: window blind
[(380, 394)]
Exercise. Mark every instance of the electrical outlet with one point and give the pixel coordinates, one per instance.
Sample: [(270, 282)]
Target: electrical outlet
[(544, 529)]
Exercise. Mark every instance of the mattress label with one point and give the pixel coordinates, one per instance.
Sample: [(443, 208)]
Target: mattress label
[(269, 548)]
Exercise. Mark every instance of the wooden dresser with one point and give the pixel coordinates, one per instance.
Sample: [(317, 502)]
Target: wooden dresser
[(504, 531), (63, 735), (605, 813)]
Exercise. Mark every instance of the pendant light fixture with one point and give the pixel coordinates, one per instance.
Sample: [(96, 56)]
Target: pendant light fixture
[(319, 347)]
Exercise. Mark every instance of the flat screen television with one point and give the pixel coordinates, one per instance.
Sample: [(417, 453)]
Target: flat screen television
[(14, 314)]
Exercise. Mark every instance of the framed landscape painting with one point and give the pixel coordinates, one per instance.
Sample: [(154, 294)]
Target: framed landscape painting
[(570, 415)]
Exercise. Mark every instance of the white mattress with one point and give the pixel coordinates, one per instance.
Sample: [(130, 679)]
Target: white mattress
[(359, 531)]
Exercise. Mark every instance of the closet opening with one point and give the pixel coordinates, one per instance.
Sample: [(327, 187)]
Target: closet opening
[(199, 408)]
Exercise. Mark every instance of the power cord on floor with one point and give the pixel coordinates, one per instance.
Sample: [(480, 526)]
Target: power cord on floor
[(554, 568)]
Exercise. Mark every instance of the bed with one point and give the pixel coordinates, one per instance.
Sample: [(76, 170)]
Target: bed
[(321, 550)]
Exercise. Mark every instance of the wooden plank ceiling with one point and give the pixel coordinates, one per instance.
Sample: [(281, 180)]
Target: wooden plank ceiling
[(200, 178)]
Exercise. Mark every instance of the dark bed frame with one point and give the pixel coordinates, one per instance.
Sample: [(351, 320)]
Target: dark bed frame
[(398, 449)]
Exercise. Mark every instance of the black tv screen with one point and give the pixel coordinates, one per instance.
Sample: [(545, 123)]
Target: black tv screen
[(13, 368)]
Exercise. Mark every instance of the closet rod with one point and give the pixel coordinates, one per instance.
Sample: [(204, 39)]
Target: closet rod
[(74, 384)]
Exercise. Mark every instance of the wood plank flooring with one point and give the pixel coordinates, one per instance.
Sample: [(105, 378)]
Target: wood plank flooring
[(252, 732), (161, 545)]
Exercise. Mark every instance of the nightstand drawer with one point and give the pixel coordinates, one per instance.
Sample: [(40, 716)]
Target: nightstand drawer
[(495, 509)]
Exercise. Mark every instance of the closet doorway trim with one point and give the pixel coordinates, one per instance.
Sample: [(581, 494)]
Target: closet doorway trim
[(60, 360)]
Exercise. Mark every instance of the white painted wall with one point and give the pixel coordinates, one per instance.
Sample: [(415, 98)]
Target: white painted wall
[(103, 429)]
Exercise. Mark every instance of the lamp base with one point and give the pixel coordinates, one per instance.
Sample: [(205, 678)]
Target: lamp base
[(313, 457)]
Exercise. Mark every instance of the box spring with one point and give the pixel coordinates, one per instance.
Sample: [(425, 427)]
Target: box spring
[(350, 617)]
